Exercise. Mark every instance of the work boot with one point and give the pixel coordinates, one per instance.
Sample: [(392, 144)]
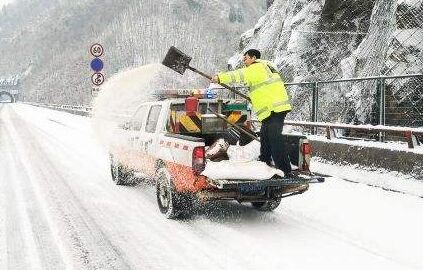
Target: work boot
[(217, 151)]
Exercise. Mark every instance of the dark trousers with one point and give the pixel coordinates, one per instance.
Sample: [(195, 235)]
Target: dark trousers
[(272, 143)]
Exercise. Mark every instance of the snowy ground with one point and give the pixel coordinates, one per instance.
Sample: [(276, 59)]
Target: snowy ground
[(60, 209)]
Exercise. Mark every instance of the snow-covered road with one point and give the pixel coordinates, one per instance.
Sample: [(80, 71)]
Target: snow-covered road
[(59, 209)]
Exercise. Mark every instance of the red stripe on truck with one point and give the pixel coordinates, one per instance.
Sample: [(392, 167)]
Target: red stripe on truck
[(184, 179)]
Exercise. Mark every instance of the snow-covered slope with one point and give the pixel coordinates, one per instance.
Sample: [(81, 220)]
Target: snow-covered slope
[(53, 38)]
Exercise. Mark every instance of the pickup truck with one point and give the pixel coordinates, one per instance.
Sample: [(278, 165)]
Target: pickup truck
[(165, 141)]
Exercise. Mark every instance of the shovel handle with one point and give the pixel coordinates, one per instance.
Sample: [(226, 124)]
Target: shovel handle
[(222, 84), (235, 126), (199, 72)]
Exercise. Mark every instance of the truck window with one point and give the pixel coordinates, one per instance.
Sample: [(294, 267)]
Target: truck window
[(139, 117), (153, 118)]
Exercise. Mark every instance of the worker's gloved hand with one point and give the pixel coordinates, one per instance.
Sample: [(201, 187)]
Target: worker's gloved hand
[(215, 79)]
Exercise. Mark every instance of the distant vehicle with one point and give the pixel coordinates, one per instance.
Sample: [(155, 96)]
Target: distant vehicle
[(166, 141)]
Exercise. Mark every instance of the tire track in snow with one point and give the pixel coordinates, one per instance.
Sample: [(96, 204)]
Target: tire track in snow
[(162, 235), (88, 247), (20, 250), (35, 219), (236, 238), (161, 231)]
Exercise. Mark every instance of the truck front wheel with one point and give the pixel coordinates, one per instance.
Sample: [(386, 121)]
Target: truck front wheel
[(118, 172), (269, 205)]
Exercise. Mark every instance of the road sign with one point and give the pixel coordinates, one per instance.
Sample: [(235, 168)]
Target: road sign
[(97, 78), (97, 64), (96, 50)]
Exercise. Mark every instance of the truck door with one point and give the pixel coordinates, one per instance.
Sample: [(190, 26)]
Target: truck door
[(135, 138), (149, 140)]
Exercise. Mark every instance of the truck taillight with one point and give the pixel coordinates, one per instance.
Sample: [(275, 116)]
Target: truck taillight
[(306, 149), (198, 160), (305, 157)]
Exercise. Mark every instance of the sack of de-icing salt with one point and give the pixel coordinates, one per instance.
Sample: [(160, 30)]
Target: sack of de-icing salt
[(247, 152), (248, 170)]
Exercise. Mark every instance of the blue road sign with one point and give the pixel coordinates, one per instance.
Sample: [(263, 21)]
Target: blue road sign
[(97, 64)]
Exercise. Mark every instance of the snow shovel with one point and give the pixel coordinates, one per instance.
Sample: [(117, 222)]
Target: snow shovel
[(179, 62), (252, 136)]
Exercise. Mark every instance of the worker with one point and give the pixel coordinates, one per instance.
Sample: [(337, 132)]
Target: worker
[(270, 102)]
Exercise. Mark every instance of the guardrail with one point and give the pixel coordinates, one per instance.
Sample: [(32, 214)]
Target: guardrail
[(408, 133), (397, 100), (82, 110), (75, 109)]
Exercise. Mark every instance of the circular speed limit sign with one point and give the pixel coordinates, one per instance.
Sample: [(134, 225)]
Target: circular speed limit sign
[(97, 78), (96, 50)]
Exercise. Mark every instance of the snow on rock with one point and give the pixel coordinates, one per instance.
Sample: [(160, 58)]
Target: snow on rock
[(368, 59), (323, 40)]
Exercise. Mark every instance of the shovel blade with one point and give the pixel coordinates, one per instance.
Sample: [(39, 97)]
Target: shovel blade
[(176, 60)]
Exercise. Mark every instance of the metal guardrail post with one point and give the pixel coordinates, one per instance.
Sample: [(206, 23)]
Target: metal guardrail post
[(314, 105), (382, 105)]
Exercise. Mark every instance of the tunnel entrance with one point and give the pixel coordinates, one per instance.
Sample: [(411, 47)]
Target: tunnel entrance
[(6, 97)]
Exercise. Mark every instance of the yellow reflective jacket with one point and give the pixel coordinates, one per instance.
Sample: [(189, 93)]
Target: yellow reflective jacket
[(266, 88)]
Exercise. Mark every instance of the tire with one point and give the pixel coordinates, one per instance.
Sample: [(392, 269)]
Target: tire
[(166, 194), (171, 203), (267, 206), (118, 172)]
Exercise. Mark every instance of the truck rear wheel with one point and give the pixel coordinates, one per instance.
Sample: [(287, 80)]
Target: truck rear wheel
[(167, 197), (269, 205)]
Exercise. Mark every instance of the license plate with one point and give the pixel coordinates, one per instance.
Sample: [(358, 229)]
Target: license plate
[(251, 189)]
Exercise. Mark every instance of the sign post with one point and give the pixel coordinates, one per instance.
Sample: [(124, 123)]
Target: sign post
[(97, 65)]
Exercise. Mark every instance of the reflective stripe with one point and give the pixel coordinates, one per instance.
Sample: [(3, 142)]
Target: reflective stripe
[(241, 76), (265, 109), (280, 103), (270, 81), (232, 74)]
